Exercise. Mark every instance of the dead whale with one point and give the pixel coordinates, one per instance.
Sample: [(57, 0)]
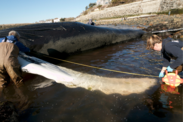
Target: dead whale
[(69, 37)]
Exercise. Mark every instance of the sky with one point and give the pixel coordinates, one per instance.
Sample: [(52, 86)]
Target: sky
[(31, 11)]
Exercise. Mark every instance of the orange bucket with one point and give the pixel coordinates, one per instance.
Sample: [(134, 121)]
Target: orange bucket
[(172, 79)]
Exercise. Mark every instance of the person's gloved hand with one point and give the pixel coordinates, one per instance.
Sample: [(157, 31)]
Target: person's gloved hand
[(161, 74), (169, 69)]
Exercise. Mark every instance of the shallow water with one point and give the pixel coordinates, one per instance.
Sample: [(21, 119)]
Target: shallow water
[(43, 100), (129, 57)]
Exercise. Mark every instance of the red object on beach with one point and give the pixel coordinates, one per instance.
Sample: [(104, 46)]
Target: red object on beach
[(172, 79)]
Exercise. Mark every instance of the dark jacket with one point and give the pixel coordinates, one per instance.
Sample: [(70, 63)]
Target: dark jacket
[(90, 22), (13, 39), (171, 49)]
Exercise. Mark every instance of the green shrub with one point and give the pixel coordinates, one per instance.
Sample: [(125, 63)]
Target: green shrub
[(62, 19), (119, 2), (176, 11), (91, 5), (86, 7)]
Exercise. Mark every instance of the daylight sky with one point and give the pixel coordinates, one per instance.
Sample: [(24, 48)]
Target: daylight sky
[(31, 11)]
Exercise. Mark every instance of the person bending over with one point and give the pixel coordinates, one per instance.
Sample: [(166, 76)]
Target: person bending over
[(9, 65), (170, 49)]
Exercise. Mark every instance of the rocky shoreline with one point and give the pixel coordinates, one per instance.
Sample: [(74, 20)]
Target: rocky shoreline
[(172, 21), (153, 23)]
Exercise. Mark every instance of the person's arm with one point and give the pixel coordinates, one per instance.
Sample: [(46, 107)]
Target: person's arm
[(166, 60), (21, 47), (24, 49), (163, 69)]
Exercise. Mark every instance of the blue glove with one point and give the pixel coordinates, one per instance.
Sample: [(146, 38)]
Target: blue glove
[(169, 69), (161, 75)]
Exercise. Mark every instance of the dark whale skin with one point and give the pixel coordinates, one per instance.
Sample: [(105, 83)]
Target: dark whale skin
[(69, 37)]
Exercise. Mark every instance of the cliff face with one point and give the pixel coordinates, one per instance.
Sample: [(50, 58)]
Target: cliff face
[(170, 4), (141, 7)]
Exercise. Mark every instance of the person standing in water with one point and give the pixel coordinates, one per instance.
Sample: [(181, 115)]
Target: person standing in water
[(9, 65)]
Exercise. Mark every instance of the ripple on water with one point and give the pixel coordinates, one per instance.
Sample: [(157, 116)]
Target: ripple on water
[(127, 57)]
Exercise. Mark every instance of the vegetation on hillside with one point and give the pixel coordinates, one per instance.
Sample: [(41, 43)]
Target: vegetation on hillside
[(67, 19), (120, 2), (172, 11), (91, 5), (89, 8), (62, 19), (99, 6)]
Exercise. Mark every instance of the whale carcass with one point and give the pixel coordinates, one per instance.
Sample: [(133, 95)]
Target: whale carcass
[(69, 37)]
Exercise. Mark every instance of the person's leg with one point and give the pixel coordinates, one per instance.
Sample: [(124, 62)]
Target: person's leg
[(4, 78), (11, 63), (14, 71)]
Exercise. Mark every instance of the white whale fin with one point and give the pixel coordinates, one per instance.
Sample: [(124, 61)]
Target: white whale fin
[(37, 66)]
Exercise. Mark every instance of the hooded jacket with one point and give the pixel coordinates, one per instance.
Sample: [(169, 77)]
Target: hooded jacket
[(13, 39), (171, 49)]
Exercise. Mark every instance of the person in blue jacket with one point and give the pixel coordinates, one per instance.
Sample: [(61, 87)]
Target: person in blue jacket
[(170, 49), (9, 65)]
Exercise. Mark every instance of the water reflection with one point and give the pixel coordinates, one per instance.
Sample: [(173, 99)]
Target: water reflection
[(60, 103)]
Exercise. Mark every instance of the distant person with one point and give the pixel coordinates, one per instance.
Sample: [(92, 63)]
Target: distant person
[(169, 13), (170, 49), (90, 22), (9, 65)]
